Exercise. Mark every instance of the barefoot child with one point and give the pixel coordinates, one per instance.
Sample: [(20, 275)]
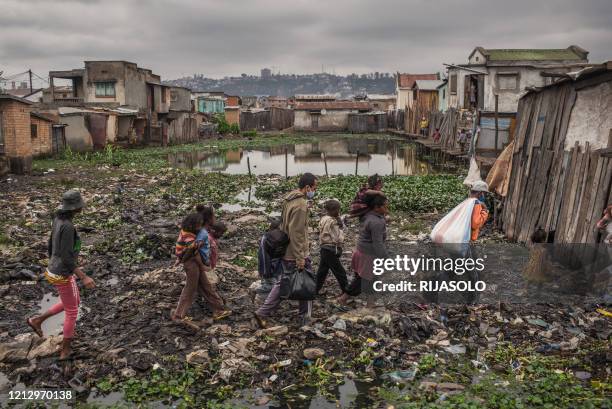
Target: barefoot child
[(64, 246), (206, 241), (187, 252)]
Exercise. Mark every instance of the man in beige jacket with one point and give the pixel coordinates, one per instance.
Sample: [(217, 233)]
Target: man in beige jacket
[(295, 223)]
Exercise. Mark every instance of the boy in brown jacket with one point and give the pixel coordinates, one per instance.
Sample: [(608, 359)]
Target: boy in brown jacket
[(295, 224)]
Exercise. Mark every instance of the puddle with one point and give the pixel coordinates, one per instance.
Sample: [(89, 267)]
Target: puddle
[(350, 394), (52, 325), (246, 201), (339, 156)]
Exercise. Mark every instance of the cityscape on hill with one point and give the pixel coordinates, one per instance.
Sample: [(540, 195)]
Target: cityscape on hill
[(268, 83)]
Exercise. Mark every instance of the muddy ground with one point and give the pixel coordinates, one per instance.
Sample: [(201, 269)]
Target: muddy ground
[(126, 341)]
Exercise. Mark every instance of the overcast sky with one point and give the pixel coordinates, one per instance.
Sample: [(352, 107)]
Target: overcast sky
[(218, 38)]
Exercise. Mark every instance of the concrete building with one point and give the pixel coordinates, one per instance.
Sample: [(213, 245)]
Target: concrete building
[(507, 73), (182, 121), (115, 84), (326, 115), (381, 102), (403, 88), (275, 102)]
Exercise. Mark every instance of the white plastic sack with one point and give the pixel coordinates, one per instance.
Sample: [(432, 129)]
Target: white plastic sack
[(473, 174), (455, 227)]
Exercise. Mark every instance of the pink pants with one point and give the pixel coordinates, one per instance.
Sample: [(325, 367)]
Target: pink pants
[(69, 303)]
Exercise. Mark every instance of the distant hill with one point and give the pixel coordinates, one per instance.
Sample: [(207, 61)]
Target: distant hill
[(291, 84)]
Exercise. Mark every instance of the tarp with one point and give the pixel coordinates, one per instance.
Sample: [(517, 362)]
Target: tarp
[(498, 178), (473, 175)]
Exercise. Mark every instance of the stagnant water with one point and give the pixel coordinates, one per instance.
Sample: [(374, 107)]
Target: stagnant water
[(332, 156)]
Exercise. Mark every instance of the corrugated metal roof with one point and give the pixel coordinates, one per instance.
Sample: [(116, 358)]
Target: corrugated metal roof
[(331, 105), (407, 80), (428, 85), (14, 98)]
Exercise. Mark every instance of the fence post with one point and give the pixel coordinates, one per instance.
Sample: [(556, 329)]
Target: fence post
[(325, 162)]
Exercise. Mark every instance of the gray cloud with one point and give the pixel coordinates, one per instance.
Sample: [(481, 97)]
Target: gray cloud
[(218, 38)]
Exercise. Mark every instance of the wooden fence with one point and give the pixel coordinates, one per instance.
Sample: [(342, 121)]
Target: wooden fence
[(562, 191)]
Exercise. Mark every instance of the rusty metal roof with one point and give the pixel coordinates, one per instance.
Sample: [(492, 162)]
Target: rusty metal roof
[(407, 80)]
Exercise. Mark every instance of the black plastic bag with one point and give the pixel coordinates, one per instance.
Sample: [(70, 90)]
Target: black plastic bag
[(298, 284)]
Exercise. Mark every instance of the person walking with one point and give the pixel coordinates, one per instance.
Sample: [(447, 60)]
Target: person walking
[(331, 238), (480, 213), (373, 186), (188, 246), (63, 249), (294, 223), (370, 246)]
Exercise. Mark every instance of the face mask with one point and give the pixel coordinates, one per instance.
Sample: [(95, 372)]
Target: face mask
[(481, 197), (310, 194)]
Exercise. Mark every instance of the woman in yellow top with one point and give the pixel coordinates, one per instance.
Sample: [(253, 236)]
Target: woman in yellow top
[(424, 124)]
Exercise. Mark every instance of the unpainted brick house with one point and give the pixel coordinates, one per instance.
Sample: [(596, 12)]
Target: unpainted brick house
[(24, 134)]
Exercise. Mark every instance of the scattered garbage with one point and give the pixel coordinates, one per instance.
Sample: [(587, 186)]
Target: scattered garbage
[(404, 375), (455, 349), (313, 353)]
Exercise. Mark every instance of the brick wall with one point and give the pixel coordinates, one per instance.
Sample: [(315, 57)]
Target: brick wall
[(17, 135), (41, 144)]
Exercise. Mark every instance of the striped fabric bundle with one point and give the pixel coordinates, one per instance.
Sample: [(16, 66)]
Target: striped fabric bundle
[(184, 241)]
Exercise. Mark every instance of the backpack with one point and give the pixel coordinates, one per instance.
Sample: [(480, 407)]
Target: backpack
[(275, 243)]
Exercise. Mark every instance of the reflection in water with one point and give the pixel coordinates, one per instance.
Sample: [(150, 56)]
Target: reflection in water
[(384, 157)]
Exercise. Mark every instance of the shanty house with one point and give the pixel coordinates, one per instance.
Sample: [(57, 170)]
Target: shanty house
[(25, 134), (232, 109), (507, 73), (326, 115), (443, 96), (403, 88), (557, 173), (183, 122), (15, 134), (425, 95)]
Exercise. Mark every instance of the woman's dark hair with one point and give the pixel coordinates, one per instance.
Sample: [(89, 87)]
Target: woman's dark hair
[(374, 201), (191, 221), (539, 236), (207, 212), (374, 180), (332, 205), (218, 229), (307, 179)]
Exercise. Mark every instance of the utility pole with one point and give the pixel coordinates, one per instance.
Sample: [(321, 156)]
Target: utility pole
[(30, 75)]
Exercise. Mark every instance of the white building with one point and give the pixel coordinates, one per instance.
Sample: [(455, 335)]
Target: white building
[(507, 73)]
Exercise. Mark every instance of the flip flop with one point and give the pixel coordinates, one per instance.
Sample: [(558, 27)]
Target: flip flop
[(36, 330), (224, 314)]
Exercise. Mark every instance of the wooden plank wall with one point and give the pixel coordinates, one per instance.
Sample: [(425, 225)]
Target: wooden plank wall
[(558, 190)]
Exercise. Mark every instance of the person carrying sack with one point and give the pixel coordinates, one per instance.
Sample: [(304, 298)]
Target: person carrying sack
[(296, 259)]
